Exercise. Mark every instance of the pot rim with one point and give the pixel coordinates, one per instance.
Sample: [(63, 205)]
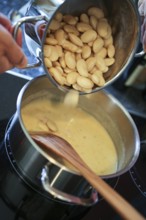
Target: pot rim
[(63, 167), (32, 142), (113, 79)]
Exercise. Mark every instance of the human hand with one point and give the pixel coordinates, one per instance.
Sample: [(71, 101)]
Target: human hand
[(11, 54), (142, 12)]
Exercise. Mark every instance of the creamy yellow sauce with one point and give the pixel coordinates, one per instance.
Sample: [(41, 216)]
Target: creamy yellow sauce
[(79, 128)]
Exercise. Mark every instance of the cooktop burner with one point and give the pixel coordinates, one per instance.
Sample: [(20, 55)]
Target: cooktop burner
[(3, 125), (138, 173)]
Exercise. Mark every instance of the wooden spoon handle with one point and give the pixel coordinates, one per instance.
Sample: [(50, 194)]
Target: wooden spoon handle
[(125, 210), (64, 149)]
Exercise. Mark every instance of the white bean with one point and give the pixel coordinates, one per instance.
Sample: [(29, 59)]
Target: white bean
[(82, 67), (72, 77), (84, 18), (86, 51), (51, 125), (78, 50), (71, 98), (97, 12), (70, 60), (84, 82), (88, 36)]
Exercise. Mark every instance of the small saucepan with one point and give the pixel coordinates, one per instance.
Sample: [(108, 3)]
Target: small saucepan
[(125, 33), (47, 173)]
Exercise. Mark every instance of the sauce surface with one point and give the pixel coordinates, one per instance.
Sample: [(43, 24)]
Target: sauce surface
[(89, 138)]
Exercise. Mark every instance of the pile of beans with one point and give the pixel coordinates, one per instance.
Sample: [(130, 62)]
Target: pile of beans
[(78, 50)]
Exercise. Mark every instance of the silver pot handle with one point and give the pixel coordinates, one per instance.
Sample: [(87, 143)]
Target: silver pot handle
[(65, 196), (27, 20)]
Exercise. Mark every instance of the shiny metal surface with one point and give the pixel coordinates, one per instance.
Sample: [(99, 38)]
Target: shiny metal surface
[(37, 50), (125, 30), (48, 186), (31, 162), (108, 111)]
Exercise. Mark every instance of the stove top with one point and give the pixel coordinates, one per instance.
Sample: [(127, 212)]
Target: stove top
[(132, 185)]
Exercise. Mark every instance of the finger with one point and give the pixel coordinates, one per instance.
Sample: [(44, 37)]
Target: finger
[(11, 49), (13, 52), (16, 56), (22, 62), (5, 64), (5, 22), (19, 36)]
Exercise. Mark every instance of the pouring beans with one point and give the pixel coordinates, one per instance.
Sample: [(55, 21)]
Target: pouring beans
[(81, 45), (79, 50)]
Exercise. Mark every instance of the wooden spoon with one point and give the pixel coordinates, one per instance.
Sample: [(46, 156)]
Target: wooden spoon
[(63, 149)]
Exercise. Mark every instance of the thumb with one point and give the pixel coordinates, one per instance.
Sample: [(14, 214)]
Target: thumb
[(19, 36)]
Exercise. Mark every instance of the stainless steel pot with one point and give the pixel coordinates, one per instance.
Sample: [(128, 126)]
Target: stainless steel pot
[(46, 172), (123, 17)]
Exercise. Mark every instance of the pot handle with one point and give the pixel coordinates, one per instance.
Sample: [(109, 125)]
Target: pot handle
[(65, 196), (20, 22)]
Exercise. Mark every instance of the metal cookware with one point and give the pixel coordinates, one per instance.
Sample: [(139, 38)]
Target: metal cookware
[(122, 15), (46, 172)]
